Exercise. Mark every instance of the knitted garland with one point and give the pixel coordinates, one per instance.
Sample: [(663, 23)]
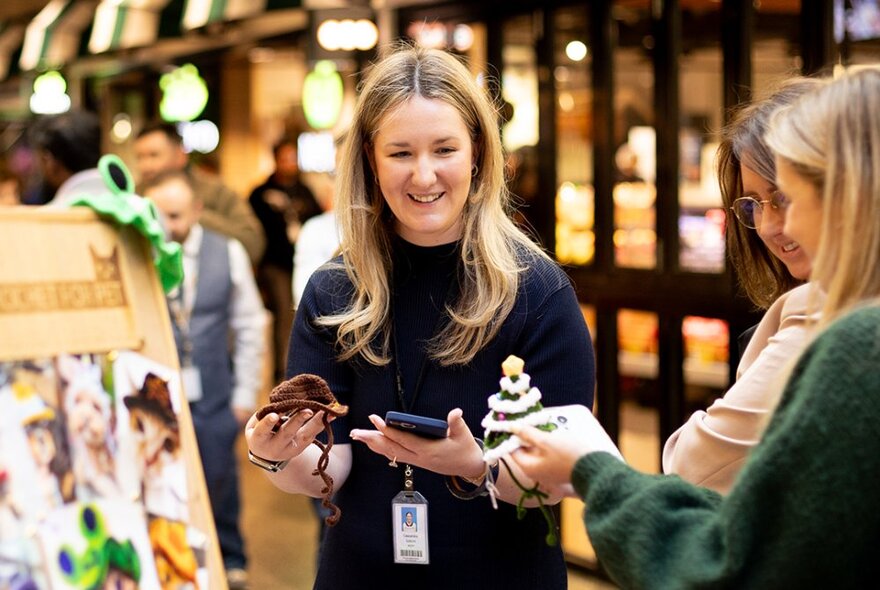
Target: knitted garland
[(309, 392)]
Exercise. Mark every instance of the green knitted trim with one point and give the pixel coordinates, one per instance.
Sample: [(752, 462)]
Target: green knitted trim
[(535, 492), (126, 208)]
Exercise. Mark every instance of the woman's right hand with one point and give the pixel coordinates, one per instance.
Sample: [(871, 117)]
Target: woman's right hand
[(291, 439), (549, 457)]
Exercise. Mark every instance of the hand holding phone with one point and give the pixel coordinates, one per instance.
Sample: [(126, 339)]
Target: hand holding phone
[(420, 425)]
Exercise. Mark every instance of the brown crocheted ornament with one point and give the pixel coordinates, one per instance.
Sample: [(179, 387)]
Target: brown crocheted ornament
[(309, 392)]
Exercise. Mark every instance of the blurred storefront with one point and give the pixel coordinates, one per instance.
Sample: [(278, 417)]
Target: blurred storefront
[(123, 59), (623, 195), (612, 112)]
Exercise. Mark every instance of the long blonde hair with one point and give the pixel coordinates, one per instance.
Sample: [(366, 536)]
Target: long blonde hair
[(832, 138), (489, 267)]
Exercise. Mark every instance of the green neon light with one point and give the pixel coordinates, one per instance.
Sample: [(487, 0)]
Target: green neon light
[(322, 95), (184, 94)]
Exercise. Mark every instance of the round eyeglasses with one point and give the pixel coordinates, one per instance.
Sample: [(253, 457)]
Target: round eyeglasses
[(748, 210)]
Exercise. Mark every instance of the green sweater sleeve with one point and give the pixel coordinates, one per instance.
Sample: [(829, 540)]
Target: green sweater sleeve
[(802, 513)]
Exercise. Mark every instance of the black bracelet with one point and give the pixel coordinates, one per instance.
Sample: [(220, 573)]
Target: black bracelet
[(458, 487)]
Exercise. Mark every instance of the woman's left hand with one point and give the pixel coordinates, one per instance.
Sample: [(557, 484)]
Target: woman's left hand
[(458, 454)]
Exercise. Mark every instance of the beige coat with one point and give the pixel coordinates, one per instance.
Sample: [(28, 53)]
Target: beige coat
[(711, 447)]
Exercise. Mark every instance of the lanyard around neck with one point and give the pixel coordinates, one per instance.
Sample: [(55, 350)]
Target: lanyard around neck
[(398, 377), (423, 369), (181, 315)]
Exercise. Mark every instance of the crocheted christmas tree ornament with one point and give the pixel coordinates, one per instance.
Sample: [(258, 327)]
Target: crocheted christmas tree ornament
[(518, 403)]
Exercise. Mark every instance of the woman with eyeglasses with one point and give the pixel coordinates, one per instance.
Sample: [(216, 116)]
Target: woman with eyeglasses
[(710, 448)]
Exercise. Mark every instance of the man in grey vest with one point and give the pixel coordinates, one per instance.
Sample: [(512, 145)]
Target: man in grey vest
[(159, 148), (219, 328)]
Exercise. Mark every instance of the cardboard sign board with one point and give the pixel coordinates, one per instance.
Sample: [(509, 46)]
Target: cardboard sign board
[(100, 476), (66, 285)]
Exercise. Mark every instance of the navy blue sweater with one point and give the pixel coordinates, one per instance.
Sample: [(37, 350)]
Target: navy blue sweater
[(471, 545)]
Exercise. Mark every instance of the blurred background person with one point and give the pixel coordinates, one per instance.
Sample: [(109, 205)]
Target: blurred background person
[(282, 204), (218, 321), (10, 186), (319, 238), (317, 243), (67, 147), (159, 148)]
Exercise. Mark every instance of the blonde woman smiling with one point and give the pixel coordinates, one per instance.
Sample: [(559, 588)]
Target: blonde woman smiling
[(435, 287)]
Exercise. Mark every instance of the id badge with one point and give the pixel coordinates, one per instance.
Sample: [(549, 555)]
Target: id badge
[(409, 521), (192, 382)]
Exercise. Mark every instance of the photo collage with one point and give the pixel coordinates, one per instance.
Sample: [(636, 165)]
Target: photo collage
[(93, 481)]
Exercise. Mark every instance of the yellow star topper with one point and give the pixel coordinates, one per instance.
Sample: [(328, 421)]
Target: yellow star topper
[(512, 366)]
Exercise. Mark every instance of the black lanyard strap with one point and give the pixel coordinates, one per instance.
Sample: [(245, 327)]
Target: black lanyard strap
[(423, 369), (398, 377)]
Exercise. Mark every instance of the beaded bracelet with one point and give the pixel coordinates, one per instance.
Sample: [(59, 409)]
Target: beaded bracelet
[(458, 486)]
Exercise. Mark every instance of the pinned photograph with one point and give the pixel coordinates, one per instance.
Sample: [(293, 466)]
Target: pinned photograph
[(102, 544), (32, 438), (19, 556), (35, 469), (90, 421), (179, 551), (149, 440)]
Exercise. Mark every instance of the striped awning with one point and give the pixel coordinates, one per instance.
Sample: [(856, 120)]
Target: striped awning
[(53, 37), (122, 24), (10, 40), (199, 13)]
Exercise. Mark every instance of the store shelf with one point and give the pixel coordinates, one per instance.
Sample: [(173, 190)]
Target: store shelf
[(712, 374), (637, 364), (696, 372)]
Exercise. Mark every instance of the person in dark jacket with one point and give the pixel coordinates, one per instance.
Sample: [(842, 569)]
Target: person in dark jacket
[(282, 204)]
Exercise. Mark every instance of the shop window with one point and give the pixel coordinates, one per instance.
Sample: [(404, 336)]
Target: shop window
[(635, 237), (519, 131), (706, 346), (575, 239), (775, 51), (638, 366), (705, 374), (857, 31), (701, 215), (705, 342)]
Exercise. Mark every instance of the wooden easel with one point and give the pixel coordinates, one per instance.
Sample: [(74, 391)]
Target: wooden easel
[(71, 283)]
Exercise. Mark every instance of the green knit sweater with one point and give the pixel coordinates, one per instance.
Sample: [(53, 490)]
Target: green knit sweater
[(805, 510)]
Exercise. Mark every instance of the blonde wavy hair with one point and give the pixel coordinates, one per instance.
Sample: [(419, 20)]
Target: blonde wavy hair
[(491, 245), (832, 138)]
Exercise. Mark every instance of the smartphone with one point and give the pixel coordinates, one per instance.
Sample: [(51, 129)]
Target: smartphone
[(420, 425)]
